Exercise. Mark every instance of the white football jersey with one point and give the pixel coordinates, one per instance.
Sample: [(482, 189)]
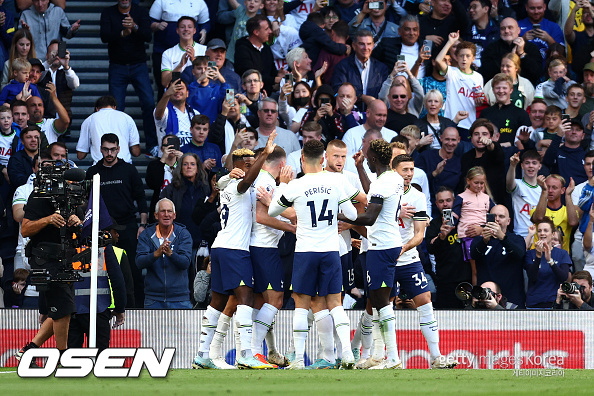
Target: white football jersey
[(384, 233), (411, 197), (263, 236), (353, 187), (5, 147), (316, 198), (524, 198), (236, 218)]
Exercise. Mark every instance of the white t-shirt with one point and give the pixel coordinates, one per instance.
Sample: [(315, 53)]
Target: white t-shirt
[(384, 233), (107, 120), (412, 197), (524, 198), (575, 198), (184, 122), (47, 127), (173, 55), (5, 147), (317, 198), (411, 54), (353, 138), (263, 236), (285, 42), (300, 13), (21, 196), (236, 218), (172, 10), (461, 89)]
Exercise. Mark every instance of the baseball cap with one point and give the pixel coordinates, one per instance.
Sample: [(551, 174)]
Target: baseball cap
[(589, 66), (35, 61), (576, 121), (218, 43)]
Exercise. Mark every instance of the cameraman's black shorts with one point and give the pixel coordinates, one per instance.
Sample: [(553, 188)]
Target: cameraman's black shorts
[(60, 300)]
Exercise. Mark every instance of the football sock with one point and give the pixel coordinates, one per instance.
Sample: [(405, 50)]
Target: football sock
[(356, 342), (429, 329), (244, 326), (388, 327), (262, 323), (207, 331), (219, 337), (337, 344), (378, 342), (270, 341), (343, 330), (366, 335), (300, 330), (236, 337), (325, 326)]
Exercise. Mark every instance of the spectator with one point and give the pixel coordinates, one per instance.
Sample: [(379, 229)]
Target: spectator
[(209, 153), (442, 241), (483, 30), (246, 138), (582, 39), (376, 119), (489, 155), (268, 116), (525, 192), (46, 23), (398, 115), (173, 114), (446, 16), (546, 266), (7, 135), (316, 41), (587, 247), (504, 114), (339, 34), (242, 12), (23, 48), (126, 28), (576, 97), (554, 90), (225, 127), (464, 85), (407, 43), (106, 119), (347, 9), (511, 41), (375, 21), (293, 107), (256, 54), (165, 250), (181, 55), (310, 131), (581, 299), (365, 73), (61, 75), (443, 166), (35, 74), (159, 171), (285, 36), (19, 87), (299, 66), (6, 32), (121, 188), (20, 121), (216, 51), (59, 152), (433, 125), (499, 256), (20, 165), (567, 160), (252, 85), (523, 92), (544, 135), (208, 89), (52, 128), (563, 217), (548, 31)]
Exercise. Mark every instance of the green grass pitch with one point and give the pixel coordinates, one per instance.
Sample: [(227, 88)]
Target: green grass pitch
[(308, 383)]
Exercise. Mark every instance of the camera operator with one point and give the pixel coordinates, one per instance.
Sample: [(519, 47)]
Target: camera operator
[(499, 256), (581, 299), (42, 224), (495, 300)]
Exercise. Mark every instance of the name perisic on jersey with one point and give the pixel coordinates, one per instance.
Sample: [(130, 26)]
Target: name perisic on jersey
[(318, 190)]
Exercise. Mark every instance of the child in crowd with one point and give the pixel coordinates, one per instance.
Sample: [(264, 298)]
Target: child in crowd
[(19, 88), (552, 123), (207, 92), (471, 208), (246, 138), (554, 90), (7, 135), (242, 14), (209, 153)]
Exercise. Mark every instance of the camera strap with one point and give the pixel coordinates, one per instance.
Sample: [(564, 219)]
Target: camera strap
[(378, 36)]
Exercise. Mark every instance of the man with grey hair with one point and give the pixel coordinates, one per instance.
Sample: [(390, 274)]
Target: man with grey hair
[(268, 117), (165, 251)]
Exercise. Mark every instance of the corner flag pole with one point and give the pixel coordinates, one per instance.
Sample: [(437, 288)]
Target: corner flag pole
[(92, 341)]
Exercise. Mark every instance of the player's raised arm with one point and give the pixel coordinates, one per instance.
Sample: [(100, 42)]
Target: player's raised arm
[(254, 170), (369, 216)]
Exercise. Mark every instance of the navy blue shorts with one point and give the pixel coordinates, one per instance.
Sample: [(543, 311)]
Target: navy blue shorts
[(317, 273), (411, 280), (268, 269), (348, 272), (230, 268), (381, 266)]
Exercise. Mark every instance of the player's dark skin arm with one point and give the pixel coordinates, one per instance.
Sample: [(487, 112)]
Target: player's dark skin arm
[(254, 170), (369, 216)]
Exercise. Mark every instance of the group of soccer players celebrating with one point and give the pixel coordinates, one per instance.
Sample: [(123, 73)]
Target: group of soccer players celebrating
[(320, 207)]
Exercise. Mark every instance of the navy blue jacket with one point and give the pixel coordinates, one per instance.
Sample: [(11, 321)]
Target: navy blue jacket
[(315, 39), (501, 262), (565, 161), (544, 279), (347, 70), (20, 167), (450, 176), (167, 277)]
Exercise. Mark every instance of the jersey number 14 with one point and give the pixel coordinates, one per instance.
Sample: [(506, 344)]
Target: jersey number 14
[(324, 215)]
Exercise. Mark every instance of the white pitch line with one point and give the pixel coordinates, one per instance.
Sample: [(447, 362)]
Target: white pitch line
[(7, 372)]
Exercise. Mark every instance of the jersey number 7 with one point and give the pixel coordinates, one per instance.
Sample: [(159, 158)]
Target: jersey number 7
[(322, 216)]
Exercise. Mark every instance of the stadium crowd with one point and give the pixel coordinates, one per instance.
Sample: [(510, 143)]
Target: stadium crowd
[(491, 101)]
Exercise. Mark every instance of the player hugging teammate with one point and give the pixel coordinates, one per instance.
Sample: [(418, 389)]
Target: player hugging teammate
[(246, 261)]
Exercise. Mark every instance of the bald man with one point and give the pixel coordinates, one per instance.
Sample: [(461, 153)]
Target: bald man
[(499, 256), (510, 41), (377, 113)]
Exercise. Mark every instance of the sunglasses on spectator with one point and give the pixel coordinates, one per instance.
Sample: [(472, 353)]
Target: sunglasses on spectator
[(399, 96), (272, 111)]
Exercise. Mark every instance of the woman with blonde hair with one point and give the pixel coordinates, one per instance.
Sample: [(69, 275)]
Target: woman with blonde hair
[(23, 47), (523, 90)]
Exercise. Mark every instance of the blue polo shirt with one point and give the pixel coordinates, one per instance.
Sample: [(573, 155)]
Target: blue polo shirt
[(550, 27), (204, 152)]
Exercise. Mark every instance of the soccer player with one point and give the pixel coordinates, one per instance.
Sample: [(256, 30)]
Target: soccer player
[(231, 266), (384, 239), (266, 260), (316, 197), (409, 271)]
